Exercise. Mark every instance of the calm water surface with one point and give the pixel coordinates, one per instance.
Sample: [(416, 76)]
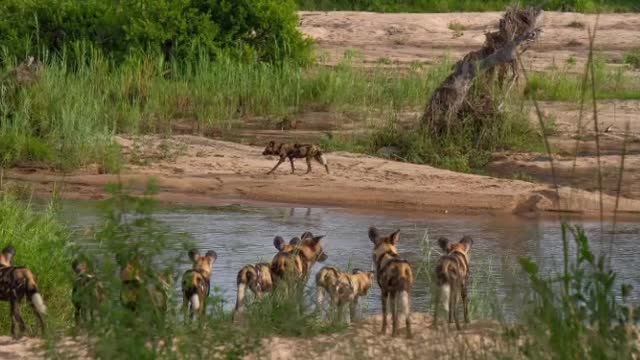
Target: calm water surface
[(244, 234)]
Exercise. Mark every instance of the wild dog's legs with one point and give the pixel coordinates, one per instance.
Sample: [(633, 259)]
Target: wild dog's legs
[(353, 308), (465, 302), (293, 167), (385, 298), (394, 313), (308, 165), (12, 312), (280, 161), (15, 309), (436, 308), (319, 297), (454, 303)]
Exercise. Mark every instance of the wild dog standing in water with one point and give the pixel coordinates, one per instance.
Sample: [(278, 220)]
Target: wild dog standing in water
[(87, 291), (139, 284), (196, 281), (452, 273), (294, 262), (395, 278), (258, 277), (16, 283), (295, 151), (342, 287)]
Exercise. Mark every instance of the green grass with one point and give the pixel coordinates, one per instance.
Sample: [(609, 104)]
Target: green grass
[(40, 242), (564, 84), (590, 6), (633, 58)]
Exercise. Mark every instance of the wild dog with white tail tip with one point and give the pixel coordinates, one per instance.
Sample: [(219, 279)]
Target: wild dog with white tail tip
[(452, 273), (142, 286), (16, 283), (88, 292), (395, 278), (196, 284), (343, 288), (257, 278), (295, 151)]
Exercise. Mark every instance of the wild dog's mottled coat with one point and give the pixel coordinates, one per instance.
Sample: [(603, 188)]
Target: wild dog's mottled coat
[(88, 292), (257, 278), (452, 273), (294, 262), (343, 288), (394, 276), (16, 283), (196, 281), (295, 151)]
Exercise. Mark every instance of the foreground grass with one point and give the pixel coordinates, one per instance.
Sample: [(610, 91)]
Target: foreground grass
[(590, 6)]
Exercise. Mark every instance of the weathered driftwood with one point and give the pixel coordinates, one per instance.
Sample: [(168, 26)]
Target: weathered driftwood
[(517, 28)]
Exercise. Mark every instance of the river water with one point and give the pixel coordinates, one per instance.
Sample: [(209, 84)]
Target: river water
[(244, 234)]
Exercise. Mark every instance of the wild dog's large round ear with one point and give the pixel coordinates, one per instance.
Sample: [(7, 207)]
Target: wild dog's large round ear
[(212, 255), (194, 254), (306, 235), (467, 240), (395, 237), (294, 241), (278, 242), (443, 242), (316, 239), (374, 234)]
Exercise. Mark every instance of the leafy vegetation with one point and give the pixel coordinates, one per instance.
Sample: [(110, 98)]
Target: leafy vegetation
[(633, 58), (579, 313), (590, 6), (40, 242), (264, 30)]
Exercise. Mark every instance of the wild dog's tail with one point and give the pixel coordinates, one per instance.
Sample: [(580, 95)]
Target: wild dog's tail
[(448, 279), (34, 294), (195, 302)]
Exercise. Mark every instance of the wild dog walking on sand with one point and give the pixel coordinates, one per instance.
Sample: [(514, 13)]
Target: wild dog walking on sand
[(343, 288), (16, 283), (258, 277), (395, 278), (141, 286), (295, 151), (196, 281), (294, 262), (88, 292), (452, 273)]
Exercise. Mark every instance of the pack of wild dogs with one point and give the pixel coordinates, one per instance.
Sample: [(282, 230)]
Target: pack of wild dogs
[(290, 265)]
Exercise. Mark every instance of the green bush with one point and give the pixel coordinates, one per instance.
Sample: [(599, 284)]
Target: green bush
[(40, 242), (633, 58), (182, 29)]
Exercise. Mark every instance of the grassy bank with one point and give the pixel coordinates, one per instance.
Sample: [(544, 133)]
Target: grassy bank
[(40, 242), (429, 6), (67, 118)]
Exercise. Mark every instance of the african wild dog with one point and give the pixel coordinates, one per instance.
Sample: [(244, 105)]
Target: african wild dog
[(395, 278), (295, 151), (294, 262), (342, 288), (452, 273), (196, 281), (140, 285), (88, 292), (258, 277), (16, 283)]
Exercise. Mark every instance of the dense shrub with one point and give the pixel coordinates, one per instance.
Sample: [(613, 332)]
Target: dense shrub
[(261, 29)]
